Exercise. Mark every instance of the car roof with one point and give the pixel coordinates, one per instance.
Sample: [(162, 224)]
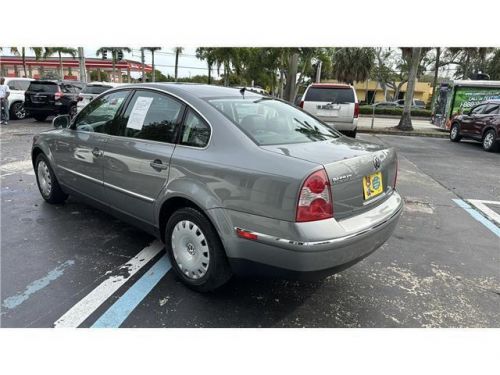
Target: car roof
[(194, 89)]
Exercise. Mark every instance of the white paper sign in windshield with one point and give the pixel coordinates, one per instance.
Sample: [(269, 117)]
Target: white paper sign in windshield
[(139, 112)]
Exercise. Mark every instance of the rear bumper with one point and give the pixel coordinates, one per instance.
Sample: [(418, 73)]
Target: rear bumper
[(50, 110), (319, 248), (349, 126)]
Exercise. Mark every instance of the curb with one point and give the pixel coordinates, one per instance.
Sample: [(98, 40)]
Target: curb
[(404, 133), (422, 118)]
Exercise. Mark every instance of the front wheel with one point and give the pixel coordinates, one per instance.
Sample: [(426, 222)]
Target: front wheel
[(455, 133), (196, 251), (47, 181), (489, 142)]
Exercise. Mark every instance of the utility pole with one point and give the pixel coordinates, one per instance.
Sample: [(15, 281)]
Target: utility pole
[(142, 65), (81, 63)]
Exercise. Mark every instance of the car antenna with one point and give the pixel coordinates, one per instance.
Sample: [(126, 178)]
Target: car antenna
[(242, 92)]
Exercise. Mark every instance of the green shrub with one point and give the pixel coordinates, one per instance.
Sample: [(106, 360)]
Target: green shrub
[(392, 111)]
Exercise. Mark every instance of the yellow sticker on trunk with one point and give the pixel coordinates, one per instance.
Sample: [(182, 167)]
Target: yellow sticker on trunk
[(372, 185)]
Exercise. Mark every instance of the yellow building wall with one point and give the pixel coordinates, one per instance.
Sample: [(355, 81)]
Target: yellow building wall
[(423, 90)]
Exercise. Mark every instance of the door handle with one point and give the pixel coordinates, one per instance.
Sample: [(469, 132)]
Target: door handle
[(157, 164), (96, 152)]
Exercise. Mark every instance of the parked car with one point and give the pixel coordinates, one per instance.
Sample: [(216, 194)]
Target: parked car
[(335, 104), (480, 123), (92, 90), (45, 98), (17, 88), (416, 103), (231, 183)]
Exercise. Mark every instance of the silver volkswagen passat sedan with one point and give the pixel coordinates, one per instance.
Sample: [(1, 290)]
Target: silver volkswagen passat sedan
[(233, 182)]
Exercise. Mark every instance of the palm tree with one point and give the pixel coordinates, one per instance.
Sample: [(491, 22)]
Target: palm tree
[(178, 51), (114, 55), (208, 55), (15, 51), (152, 50), (353, 64), (413, 55), (60, 51)]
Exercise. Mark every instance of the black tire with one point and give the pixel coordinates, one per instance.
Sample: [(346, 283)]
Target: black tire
[(40, 117), (489, 141), (455, 133), (17, 111), (351, 133), (218, 271), (55, 195)]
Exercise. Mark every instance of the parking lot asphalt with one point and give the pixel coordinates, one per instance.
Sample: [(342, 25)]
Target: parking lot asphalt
[(72, 265)]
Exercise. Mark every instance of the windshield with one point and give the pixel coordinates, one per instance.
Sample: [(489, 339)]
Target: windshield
[(271, 122), (95, 89)]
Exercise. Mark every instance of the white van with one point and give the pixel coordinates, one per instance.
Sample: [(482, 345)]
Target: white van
[(17, 88), (335, 104)]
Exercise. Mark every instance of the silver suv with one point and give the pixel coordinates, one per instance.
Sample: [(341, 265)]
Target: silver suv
[(335, 104)]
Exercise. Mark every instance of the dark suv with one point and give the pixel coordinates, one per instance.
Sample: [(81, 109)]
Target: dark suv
[(46, 98), (481, 123)]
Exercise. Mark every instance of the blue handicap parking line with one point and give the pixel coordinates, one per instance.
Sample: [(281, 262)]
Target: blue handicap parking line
[(122, 308), (476, 215)]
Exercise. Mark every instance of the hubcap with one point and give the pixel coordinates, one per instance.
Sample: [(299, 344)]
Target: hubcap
[(488, 140), (190, 249), (20, 112), (454, 132), (44, 178)]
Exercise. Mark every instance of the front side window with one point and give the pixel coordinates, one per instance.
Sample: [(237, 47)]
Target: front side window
[(478, 110), (270, 122), (98, 116), (196, 132), (152, 116)]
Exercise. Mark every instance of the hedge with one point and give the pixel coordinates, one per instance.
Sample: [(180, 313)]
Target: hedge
[(368, 110)]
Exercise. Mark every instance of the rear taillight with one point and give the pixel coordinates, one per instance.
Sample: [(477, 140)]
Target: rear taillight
[(301, 105), (315, 199), (356, 110), (58, 95)]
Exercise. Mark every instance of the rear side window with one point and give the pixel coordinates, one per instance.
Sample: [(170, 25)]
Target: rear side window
[(49, 87), (491, 109), (196, 132), (330, 94), (19, 84), (98, 89), (152, 116)]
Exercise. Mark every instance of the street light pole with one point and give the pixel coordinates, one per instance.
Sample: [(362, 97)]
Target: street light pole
[(142, 65), (81, 63)]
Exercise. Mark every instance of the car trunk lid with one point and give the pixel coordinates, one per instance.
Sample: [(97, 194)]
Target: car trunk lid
[(348, 162)]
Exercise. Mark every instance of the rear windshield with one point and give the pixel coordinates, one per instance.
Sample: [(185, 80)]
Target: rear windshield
[(335, 95), (95, 89), (270, 122), (43, 87)]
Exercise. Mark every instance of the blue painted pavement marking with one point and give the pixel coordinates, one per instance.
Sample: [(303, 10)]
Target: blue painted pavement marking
[(35, 286), (476, 215), (122, 308)]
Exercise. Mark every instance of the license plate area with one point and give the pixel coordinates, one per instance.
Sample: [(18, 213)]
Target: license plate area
[(372, 185)]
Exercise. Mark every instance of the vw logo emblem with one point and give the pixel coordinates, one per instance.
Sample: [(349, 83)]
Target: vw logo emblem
[(376, 162)]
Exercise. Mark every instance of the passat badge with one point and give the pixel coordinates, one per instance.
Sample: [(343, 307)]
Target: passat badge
[(340, 179)]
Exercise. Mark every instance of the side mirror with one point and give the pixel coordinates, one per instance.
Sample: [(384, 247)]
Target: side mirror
[(61, 121)]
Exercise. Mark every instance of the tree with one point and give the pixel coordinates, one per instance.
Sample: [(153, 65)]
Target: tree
[(114, 55), (178, 51), (436, 71), (157, 76), (207, 54), (468, 60), (49, 51), (15, 51), (413, 56), (353, 64), (98, 76), (493, 67), (152, 50)]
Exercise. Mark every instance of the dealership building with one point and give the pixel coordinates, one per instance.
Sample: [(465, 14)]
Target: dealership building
[(13, 66)]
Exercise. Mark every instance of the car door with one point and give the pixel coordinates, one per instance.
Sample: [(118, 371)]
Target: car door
[(484, 119), (136, 163), (468, 120), (80, 149)]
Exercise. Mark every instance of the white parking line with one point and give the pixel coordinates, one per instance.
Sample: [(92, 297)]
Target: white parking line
[(85, 307), (22, 166), (482, 206)]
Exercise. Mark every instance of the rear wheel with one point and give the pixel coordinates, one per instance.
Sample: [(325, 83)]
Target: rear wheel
[(455, 133), (489, 142), (17, 111), (40, 117), (47, 181), (196, 251)]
